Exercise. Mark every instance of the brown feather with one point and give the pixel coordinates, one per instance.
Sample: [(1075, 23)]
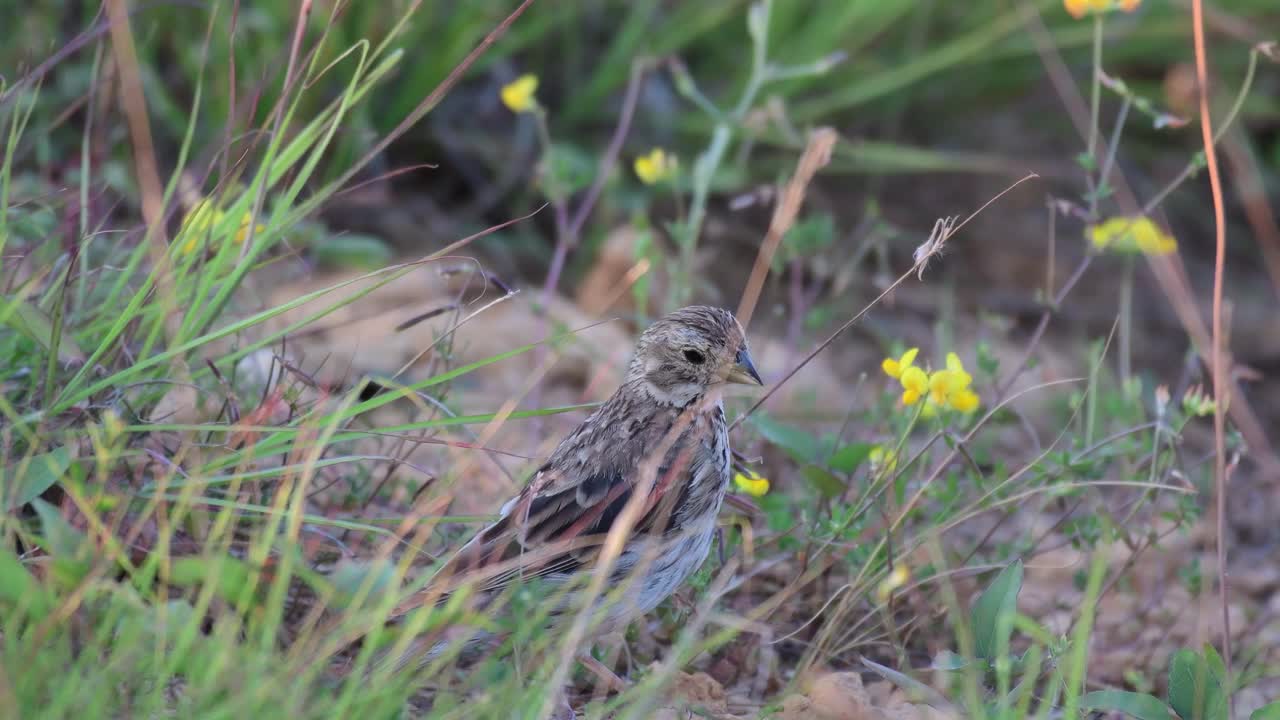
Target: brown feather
[(662, 432)]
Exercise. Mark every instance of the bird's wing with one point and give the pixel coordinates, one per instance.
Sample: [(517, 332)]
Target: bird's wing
[(558, 522)]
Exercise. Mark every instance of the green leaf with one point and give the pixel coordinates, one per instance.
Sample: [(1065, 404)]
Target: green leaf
[(352, 251), (36, 324), (848, 458), (827, 485), (809, 236), (68, 546), (801, 445), (60, 539), (1138, 705), (41, 473), (1195, 691), (998, 601), (988, 363), (1216, 666), (18, 588), (566, 170), (229, 576), (1267, 712)]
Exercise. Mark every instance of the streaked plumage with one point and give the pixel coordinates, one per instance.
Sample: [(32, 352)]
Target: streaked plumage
[(661, 439)]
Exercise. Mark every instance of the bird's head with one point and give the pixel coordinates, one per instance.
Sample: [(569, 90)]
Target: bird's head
[(683, 354)]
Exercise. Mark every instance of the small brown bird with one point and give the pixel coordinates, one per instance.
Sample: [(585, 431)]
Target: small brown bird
[(659, 445)]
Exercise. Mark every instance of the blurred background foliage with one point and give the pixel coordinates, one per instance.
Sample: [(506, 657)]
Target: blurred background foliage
[(939, 106), (924, 87)]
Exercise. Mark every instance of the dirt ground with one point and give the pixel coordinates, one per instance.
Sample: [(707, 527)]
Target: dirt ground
[(1141, 621), (989, 277)]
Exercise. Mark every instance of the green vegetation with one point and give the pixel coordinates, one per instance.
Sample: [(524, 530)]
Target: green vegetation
[(243, 559)]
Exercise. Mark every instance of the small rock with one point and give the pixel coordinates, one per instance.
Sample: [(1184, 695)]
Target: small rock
[(880, 692), (797, 707), (702, 690), (735, 661), (180, 405), (840, 696)]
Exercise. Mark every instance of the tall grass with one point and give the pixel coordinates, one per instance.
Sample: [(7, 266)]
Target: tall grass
[(161, 566)]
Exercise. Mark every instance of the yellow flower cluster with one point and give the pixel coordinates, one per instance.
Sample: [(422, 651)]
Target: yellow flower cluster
[(658, 166), (1080, 8), (915, 382), (900, 575), (206, 215), (1131, 235), (520, 95), (948, 387), (751, 483)]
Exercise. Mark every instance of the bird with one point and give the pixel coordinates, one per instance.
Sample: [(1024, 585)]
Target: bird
[(651, 464)]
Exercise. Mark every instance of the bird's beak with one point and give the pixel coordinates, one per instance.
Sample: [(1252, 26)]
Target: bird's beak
[(743, 371)]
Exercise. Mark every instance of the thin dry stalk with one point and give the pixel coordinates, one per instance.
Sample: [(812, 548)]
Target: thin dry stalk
[(568, 239), (817, 153), (1219, 371), (144, 156), (151, 189), (942, 231)]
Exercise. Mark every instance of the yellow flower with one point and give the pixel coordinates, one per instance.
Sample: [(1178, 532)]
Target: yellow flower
[(197, 223), (894, 368), (201, 217), (519, 94), (966, 401), (941, 383), (945, 384), (946, 387), (656, 167), (883, 457), (751, 483), (898, 577), (1080, 8), (950, 386), (243, 232), (915, 384), (1124, 234), (955, 366)]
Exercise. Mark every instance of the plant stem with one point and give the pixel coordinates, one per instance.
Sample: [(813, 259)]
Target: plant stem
[(1126, 320), (1221, 130), (1220, 379), (1095, 89), (1096, 353), (703, 170), (559, 209), (709, 161)]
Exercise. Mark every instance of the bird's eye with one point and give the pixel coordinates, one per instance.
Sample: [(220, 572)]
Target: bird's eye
[(694, 357)]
